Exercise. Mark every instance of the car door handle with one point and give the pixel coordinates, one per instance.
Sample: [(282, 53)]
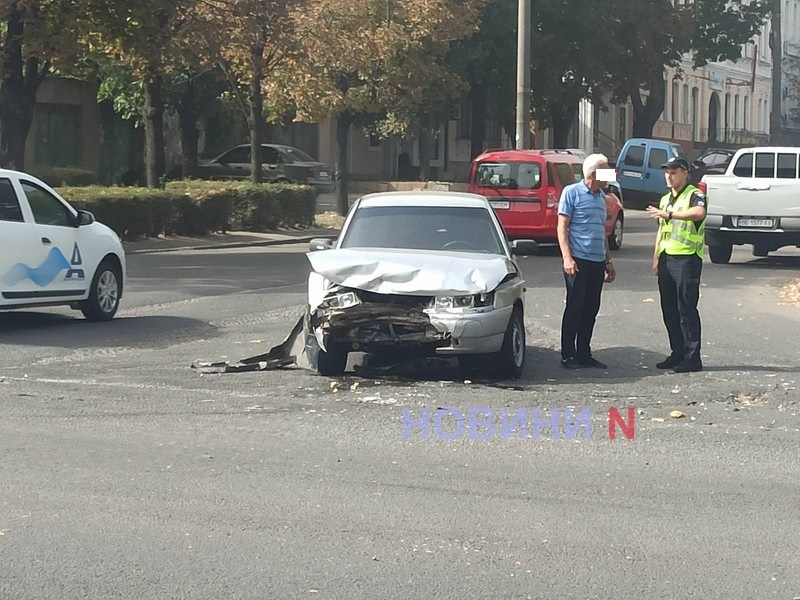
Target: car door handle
[(647, 175), (46, 241)]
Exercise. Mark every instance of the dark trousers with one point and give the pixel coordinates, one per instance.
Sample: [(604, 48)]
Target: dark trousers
[(679, 287), (583, 304)]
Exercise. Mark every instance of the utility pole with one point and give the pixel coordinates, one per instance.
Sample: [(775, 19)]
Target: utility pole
[(523, 75), (776, 45)]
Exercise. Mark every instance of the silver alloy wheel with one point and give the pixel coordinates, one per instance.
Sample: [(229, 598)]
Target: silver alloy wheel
[(617, 233), (107, 291), (518, 343)]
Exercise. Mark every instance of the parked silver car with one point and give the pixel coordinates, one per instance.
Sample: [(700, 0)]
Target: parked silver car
[(421, 273), (281, 164)]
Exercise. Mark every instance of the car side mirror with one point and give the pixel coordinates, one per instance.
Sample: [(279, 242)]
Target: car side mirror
[(524, 247), (84, 218), (320, 244)]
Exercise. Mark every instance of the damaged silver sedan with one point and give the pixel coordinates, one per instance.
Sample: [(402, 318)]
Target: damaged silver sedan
[(415, 274)]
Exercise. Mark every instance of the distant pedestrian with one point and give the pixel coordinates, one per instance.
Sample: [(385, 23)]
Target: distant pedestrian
[(582, 214), (678, 263)]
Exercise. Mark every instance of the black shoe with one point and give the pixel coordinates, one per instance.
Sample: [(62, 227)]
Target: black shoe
[(671, 361), (688, 367), (589, 361), (570, 363)]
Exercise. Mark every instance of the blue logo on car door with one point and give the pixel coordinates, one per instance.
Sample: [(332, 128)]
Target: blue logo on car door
[(45, 273)]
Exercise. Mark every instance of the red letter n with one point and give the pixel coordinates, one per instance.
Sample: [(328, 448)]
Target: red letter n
[(614, 418)]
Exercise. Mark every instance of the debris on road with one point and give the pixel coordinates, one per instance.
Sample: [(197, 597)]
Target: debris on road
[(676, 414)]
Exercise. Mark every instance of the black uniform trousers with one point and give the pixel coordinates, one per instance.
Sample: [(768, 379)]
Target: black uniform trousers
[(583, 304), (679, 287)]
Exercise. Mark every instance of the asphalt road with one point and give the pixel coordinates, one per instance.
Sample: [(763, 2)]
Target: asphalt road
[(126, 474)]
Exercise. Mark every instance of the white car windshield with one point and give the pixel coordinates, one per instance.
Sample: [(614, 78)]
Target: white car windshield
[(453, 229)]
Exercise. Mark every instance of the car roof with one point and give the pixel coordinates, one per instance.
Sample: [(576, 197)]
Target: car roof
[(770, 149), (514, 153), (424, 198)]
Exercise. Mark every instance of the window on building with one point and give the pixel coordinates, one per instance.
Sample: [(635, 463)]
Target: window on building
[(58, 135)]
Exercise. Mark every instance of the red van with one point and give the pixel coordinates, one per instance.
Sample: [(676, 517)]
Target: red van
[(524, 187)]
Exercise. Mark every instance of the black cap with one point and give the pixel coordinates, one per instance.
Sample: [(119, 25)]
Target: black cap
[(676, 162)]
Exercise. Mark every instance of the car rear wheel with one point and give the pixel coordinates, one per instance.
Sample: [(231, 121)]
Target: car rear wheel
[(615, 238), (721, 254), (104, 294), (511, 359)]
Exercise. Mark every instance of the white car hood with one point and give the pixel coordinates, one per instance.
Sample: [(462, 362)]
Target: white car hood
[(412, 272)]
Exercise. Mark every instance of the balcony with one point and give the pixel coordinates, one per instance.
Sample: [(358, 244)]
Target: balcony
[(738, 137)]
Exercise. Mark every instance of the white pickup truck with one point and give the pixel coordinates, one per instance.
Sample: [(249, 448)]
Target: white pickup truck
[(756, 201)]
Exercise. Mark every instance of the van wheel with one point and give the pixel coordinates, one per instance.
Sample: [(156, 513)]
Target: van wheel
[(615, 238), (511, 359), (720, 255), (104, 294)]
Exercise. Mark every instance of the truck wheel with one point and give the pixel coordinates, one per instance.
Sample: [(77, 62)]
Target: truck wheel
[(511, 359), (104, 294), (615, 238), (720, 255)]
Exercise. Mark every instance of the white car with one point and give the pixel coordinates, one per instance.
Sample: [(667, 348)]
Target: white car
[(416, 274), (53, 254)]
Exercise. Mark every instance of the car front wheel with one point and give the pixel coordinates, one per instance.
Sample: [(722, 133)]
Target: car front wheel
[(511, 360), (615, 237), (104, 294)]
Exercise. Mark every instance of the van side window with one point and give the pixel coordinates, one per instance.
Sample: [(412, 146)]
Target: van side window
[(744, 166), (787, 166), (657, 158), (765, 165), (634, 157), (565, 174), (9, 203), (529, 176)]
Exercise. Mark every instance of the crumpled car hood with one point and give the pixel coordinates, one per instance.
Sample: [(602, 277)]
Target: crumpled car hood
[(413, 272)]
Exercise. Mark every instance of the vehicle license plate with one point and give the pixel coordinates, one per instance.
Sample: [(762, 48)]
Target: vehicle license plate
[(632, 174), (323, 173), (754, 222), (500, 204)]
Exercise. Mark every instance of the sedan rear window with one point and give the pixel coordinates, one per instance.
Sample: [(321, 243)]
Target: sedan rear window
[(424, 228)]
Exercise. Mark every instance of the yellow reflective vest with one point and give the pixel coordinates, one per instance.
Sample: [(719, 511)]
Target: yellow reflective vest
[(678, 236)]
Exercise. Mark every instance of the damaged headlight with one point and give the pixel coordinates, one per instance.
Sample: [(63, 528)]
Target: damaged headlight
[(343, 300), (459, 303)]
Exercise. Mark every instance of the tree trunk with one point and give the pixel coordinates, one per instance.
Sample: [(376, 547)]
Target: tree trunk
[(20, 80), (562, 123), (645, 116), (190, 136), (154, 131), (425, 149), (256, 116), (343, 123), (477, 127)]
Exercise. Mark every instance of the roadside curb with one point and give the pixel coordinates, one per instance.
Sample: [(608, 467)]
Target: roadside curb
[(229, 245)]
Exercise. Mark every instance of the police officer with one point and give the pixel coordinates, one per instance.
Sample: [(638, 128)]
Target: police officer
[(678, 262)]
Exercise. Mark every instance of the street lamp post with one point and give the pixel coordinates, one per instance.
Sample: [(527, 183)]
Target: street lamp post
[(523, 74)]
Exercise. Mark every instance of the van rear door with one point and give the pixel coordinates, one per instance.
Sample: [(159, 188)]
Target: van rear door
[(631, 167)]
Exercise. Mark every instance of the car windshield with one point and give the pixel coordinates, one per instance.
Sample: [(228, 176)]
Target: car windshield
[(510, 175), (455, 229), (298, 155)]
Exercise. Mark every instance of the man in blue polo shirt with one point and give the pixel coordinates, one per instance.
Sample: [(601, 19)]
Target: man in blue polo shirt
[(582, 214)]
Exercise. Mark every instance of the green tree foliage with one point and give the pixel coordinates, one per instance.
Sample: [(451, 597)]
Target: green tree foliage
[(646, 36), (374, 57)]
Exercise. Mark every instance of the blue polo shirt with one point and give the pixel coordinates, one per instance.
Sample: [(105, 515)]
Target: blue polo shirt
[(587, 214)]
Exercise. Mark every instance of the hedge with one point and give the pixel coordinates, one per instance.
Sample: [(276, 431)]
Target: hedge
[(192, 207)]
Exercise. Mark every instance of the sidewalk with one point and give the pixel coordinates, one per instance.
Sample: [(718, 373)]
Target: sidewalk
[(232, 239)]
